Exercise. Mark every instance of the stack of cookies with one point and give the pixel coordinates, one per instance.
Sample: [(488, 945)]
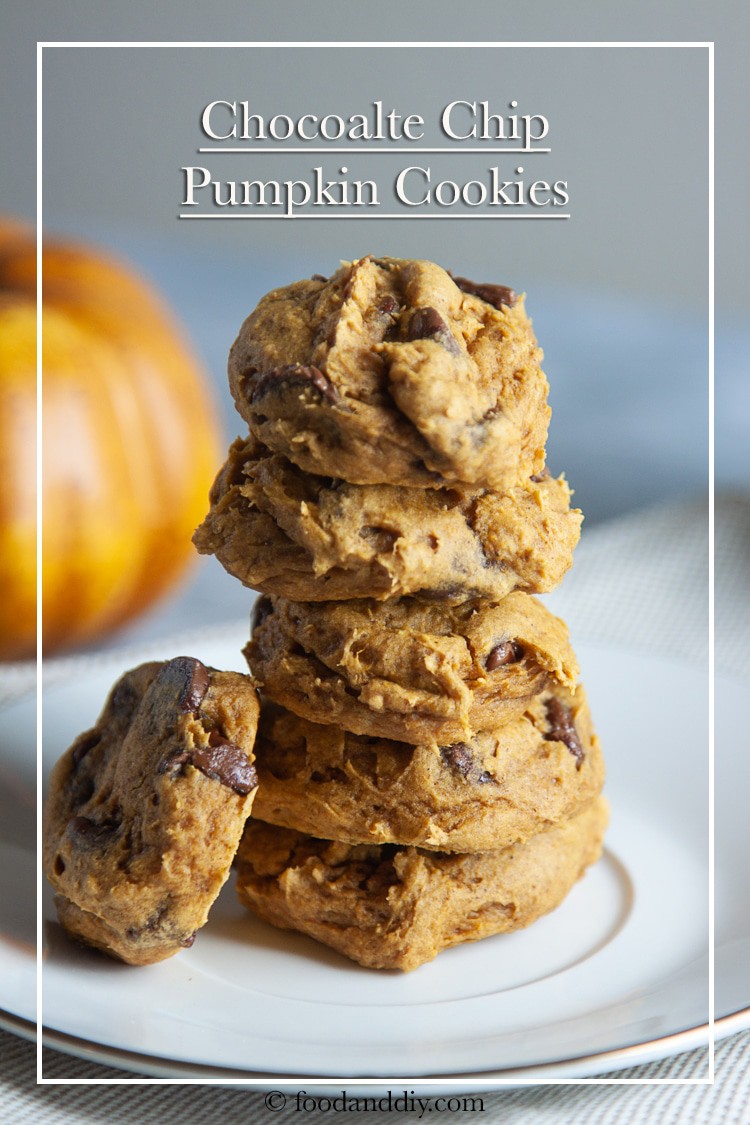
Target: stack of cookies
[(427, 769)]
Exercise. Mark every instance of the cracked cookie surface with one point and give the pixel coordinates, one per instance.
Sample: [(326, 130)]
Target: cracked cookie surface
[(491, 790), (396, 908), (409, 670), (393, 372), (311, 538), (146, 809)]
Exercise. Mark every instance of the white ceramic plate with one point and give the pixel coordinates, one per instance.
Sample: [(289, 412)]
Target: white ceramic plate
[(617, 975)]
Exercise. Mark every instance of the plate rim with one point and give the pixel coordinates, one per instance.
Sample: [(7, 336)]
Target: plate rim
[(173, 1071)]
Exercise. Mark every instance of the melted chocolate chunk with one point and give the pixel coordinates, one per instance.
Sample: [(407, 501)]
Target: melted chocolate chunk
[(188, 941), (294, 373), (388, 306), (262, 609), (194, 675), (220, 761), (508, 652), (427, 324), (495, 295), (458, 758), (88, 831), (82, 746), (226, 763), (562, 729)]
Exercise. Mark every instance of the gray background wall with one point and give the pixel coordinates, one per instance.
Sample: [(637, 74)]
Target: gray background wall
[(628, 132), (568, 88)]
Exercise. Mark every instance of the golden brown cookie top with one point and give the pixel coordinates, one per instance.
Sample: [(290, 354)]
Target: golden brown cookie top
[(392, 371)]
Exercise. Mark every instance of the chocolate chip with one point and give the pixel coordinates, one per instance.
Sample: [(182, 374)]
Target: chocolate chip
[(495, 295), (194, 675), (226, 763), (507, 652), (318, 277), (458, 758), (82, 746), (294, 373), (538, 477), (188, 941), (220, 761), (90, 832), (562, 729), (427, 324), (484, 778), (262, 609), (388, 306)]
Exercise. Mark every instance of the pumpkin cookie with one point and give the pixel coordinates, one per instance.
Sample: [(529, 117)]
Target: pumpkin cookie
[(392, 371), (145, 811), (491, 790), (281, 530), (395, 908), (409, 670)]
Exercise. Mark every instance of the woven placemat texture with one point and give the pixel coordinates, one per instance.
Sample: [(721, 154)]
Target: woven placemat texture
[(726, 1101)]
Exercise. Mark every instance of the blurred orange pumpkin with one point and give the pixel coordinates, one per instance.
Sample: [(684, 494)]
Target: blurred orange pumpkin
[(129, 445)]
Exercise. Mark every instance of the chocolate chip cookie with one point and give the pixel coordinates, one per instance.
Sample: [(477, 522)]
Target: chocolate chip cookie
[(409, 670), (393, 372), (491, 790), (281, 530), (395, 908), (146, 809)]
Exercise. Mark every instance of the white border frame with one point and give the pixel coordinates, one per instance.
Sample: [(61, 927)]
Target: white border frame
[(281, 1081)]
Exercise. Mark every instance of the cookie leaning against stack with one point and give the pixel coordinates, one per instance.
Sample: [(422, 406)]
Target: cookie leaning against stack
[(428, 771), (145, 811)]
